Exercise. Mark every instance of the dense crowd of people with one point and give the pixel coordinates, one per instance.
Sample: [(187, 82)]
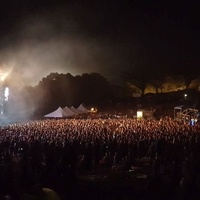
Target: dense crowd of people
[(53, 152)]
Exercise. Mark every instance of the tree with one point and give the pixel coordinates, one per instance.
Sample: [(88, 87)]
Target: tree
[(157, 79), (95, 87), (66, 90), (138, 77)]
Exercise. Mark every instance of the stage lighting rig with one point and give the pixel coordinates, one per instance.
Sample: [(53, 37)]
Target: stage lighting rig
[(3, 93)]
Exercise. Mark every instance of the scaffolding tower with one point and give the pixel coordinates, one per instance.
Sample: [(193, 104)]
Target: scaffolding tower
[(2, 77)]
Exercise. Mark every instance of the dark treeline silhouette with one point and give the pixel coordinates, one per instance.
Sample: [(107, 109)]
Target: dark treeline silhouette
[(93, 89), (142, 76), (62, 90)]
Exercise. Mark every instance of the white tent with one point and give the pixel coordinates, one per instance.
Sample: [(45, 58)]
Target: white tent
[(82, 109), (75, 110), (68, 112), (57, 113)]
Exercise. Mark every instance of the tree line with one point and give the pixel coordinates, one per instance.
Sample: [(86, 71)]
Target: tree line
[(92, 89)]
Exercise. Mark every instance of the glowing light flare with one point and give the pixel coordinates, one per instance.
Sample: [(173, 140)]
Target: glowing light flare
[(4, 73), (3, 76), (6, 93), (93, 110)]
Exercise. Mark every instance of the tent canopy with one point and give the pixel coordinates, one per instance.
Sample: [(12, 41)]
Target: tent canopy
[(178, 107), (75, 110), (82, 109), (68, 112), (59, 112)]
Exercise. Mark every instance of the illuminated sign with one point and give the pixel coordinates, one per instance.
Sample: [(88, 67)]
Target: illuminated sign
[(139, 114)]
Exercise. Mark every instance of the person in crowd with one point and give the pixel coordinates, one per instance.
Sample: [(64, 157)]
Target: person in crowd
[(55, 151)]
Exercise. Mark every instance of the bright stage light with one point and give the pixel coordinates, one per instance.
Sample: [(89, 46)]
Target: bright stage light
[(5, 71), (3, 76), (6, 93)]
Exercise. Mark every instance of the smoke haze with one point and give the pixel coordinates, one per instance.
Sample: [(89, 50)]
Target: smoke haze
[(47, 43), (108, 38)]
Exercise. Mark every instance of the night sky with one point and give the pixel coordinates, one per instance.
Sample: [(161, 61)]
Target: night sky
[(109, 37)]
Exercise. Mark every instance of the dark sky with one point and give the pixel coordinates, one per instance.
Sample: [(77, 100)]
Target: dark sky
[(109, 37)]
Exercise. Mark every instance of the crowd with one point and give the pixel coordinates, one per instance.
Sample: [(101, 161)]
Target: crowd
[(53, 152)]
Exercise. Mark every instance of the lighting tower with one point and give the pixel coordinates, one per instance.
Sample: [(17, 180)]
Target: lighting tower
[(2, 78)]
